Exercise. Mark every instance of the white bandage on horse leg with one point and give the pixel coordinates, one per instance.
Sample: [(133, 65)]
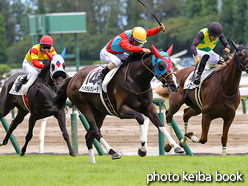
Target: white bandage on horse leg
[(169, 128), (195, 139), (92, 156), (170, 140), (185, 128), (223, 151), (105, 144), (143, 138)]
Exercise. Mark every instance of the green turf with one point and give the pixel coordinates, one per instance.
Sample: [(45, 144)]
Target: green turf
[(129, 170)]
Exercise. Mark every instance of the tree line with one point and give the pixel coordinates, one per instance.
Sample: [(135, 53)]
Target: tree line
[(108, 18)]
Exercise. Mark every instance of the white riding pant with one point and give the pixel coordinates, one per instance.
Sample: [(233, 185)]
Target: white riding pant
[(213, 57), (32, 73), (107, 57), (30, 69)]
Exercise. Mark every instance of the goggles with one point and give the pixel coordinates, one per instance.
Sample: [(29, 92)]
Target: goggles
[(46, 46)]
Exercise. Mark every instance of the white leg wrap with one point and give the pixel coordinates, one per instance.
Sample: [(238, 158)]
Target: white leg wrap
[(105, 144), (168, 137), (195, 139), (185, 128), (92, 156), (223, 151), (169, 128), (142, 134)]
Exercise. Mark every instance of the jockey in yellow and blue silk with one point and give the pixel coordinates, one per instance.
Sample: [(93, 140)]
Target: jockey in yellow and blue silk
[(130, 40), (32, 64), (203, 45)]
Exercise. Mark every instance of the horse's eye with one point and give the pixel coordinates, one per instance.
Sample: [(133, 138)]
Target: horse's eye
[(63, 66), (53, 67), (161, 66)]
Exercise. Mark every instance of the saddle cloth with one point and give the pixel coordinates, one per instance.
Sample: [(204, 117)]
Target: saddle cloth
[(19, 93), (91, 86), (189, 84)]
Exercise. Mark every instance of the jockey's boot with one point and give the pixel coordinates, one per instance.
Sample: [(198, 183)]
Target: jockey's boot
[(31, 80), (20, 82), (104, 71), (201, 68)]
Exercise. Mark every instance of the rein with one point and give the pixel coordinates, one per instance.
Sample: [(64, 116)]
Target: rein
[(125, 80)]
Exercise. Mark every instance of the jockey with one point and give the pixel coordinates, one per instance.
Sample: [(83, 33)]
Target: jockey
[(131, 40), (203, 45), (32, 63)]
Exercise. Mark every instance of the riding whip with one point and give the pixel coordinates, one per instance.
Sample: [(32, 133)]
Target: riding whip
[(151, 13)]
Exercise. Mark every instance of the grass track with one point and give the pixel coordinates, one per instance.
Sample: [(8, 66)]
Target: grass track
[(129, 170)]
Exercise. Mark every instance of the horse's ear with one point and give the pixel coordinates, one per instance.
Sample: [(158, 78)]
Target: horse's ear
[(155, 52), (50, 56), (169, 50), (63, 53), (234, 45)]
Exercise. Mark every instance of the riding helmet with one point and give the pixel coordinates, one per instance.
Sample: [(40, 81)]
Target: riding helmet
[(46, 40), (215, 29), (139, 34)]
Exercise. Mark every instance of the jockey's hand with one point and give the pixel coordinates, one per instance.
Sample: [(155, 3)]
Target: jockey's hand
[(161, 27), (197, 60), (226, 50), (146, 50)]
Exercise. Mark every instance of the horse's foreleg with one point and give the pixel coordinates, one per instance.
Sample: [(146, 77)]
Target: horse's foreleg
[(29, 135), (152, 114), (188, 113), (61, 119), (128, 113), (14, 123), (226, 126)]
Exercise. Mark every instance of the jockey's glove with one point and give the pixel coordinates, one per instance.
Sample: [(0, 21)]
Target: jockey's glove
[(197, 60), (227, 50)]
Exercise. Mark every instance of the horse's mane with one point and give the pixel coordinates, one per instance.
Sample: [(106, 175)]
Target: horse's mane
[(137, 56)]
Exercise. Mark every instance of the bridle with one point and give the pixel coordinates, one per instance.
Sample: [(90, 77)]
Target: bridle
[(160, 77), (240, 65)]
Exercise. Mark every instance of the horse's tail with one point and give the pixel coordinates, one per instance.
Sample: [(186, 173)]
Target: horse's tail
[(60, 99)]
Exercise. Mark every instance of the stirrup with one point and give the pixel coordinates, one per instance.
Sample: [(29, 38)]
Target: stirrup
[(100, 78)]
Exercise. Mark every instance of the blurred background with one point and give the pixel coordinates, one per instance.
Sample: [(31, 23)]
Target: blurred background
[(108, 18)]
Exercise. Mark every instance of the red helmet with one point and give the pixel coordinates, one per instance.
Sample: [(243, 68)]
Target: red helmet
[(46, 40)]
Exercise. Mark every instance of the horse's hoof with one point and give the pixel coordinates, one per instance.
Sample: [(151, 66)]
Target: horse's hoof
[(189, 134), (178, 150), (72, 154), (21, 154), (116, 156), (142, 153), (167, 147), (182, 143)]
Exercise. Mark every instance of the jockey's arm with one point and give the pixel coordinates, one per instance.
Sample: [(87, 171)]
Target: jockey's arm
[(224, 41), (153, 31), (196, 42), (124, 43), (34, 57)]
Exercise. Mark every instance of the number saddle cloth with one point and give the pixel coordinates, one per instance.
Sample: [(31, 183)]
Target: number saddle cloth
[(90, 85)]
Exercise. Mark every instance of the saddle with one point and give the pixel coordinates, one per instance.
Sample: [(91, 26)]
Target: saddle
[(90, 85)]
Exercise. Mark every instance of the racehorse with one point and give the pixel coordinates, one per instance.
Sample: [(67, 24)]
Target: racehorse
[(130, 94), (40, 96), (219, 95)]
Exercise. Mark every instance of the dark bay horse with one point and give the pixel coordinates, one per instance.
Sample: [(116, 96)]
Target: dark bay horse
[(219, 94), (130, 94), (40, 96)]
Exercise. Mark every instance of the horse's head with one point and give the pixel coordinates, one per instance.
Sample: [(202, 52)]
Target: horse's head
[(241, 56), (164, 70), (57, 66)]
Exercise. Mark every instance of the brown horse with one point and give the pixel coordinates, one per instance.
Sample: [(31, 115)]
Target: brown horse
[(219, 95), (130, 95)]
